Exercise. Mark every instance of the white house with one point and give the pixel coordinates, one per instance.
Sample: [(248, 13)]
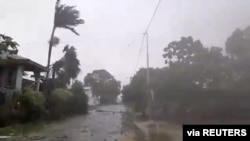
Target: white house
[(93, 100)]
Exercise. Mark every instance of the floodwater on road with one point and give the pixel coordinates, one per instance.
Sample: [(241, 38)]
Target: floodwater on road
[(102, 124)]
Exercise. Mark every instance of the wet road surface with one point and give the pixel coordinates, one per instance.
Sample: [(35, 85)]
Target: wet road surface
[(102, 124)]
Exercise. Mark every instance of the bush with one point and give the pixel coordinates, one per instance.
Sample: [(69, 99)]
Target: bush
[(30, 105), (62, 94), (57, 103), (79, 101)]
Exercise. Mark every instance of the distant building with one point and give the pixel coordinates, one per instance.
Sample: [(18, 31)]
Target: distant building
[(119, 98), (93, 100)]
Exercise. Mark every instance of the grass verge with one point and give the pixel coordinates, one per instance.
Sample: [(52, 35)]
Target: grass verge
[(21, 129), (129, 126)]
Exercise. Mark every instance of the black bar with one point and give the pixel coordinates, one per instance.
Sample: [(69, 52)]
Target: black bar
[(214, 132)]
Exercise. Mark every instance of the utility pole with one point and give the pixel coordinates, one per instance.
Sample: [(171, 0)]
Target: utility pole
[(148, 78), (149, 91)]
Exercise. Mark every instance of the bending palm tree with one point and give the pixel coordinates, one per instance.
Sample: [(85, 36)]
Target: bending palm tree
[(66, 17), (67, 68)]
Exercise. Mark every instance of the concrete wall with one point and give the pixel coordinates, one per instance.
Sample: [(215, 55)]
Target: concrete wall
[(92, 99)]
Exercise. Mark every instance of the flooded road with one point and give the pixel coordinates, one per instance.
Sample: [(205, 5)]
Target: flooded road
[(102, 124)]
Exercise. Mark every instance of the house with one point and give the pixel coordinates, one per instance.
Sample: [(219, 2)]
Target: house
[(12, 68), (92, 100)]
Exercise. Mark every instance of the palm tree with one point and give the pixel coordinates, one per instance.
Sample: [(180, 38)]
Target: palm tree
[(67, 68), (66, 17), (56, 67), (72, 64)]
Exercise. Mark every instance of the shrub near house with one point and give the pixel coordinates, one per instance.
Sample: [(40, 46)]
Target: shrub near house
[(57, 103), (31, 105), (63, 102)]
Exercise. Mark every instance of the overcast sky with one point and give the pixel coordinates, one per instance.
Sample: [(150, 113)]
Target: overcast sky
[(111, 25)]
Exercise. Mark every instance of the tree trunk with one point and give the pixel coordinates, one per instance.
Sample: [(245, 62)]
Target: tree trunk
[(50, 51), (53, 75), (50, 41)]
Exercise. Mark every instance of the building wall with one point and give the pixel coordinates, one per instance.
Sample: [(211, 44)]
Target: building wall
[(92, 99)]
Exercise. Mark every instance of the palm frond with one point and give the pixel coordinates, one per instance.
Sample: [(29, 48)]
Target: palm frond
[(71, 29), (66, 48), (67, 17)]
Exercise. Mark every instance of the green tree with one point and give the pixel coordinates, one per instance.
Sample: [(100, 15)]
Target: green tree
[(136, 92), (237, 45), (8, 45), (215, 68), (183, 51), (181, 56), (104, 85), (80, 99), (192, 68), (197, 65), (67, 68), (238, 48)]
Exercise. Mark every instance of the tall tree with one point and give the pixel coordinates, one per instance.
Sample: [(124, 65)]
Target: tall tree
[(183, 51), (68, 67), (197, 65), (66, 17), (104, 85), (180, 57), (238, 48), (238, 44)]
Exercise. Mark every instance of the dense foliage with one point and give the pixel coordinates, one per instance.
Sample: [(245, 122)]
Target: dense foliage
[(197, 78), (66, 69), (8, 45), (63, 102), (79, 98), (31, 105), (104, 85)]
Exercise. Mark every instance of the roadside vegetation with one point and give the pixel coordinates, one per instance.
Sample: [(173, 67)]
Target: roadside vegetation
[(60, 95), (32, 107), (104, 85), (199, 84), (129, 129)]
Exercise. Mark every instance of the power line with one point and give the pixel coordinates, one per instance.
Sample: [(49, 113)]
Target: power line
[(155, 11), (150, 92), (151, 20), (46, 43)]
